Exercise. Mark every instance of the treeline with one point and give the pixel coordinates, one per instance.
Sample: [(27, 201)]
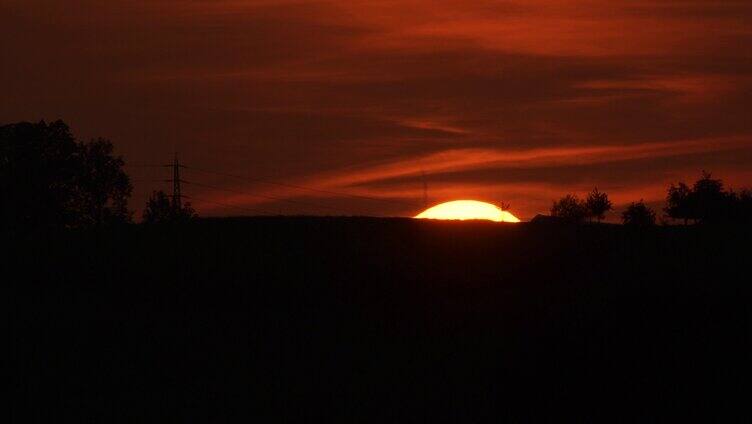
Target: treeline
[(49, 179), (707, 201)]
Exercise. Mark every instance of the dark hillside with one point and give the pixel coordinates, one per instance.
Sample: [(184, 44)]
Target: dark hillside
[(391, 319)]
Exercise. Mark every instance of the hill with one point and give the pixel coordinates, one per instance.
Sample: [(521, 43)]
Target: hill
[(387, 319)]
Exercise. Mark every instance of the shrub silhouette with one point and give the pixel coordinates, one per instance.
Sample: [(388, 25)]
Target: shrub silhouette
[(570, 208), (48, 179), (638, 215), (597, 204), (159, 210)]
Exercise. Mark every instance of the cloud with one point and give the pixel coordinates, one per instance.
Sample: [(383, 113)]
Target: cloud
[(362, 95), (467, 159)]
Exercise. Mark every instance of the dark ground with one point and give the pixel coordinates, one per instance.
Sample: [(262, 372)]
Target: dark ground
[(394, 320)]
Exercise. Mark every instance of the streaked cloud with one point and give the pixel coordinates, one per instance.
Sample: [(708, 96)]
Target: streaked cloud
[(363, 96)]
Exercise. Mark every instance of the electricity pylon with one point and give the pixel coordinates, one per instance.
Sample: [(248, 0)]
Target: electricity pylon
[(177, 197), (425, 190)]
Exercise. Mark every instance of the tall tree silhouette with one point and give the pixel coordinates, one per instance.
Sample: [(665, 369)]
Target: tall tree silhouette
[(160, 209), (598, 204), (639, 215), (48, 179), (570, 208)]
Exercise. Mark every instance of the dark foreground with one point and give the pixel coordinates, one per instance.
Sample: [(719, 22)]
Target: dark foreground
[(392, 320)]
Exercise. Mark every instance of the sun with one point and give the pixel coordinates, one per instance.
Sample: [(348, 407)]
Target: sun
[(467, 209)]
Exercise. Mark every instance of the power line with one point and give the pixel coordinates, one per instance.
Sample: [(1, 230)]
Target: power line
[(149, 181), (300, 187), (141, 165), (280, 199), (177, 201), (176, 181), (425, 189), (254, 210)]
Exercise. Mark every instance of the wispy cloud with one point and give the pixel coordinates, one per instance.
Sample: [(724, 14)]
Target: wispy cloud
[(460, 160), (361, 95)]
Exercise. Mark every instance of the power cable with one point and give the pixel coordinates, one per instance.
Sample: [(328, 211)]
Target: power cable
[(300, 187), (254, 210), (280, 199)]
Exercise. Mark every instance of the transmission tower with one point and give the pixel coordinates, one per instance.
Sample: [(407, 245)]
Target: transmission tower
[(177, 204), (425, 189)]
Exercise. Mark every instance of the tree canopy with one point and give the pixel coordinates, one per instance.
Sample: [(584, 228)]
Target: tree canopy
[(570, 208), (638, 214), (48, 179), (707, 201), (161, 209), (597, 204)]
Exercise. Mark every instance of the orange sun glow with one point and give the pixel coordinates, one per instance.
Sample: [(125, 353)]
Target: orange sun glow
[(467, 209)]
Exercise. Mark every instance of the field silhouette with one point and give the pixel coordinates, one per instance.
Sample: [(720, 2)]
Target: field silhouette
[(384, 319)]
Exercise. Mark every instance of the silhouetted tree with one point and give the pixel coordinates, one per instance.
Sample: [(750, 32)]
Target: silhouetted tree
[(49, 179), (101, 189), (706, 201), (743, 209), (160, 209), (739, 206), (678, 202), (709, 201), (598, 204), (570, 208), (638, 215)]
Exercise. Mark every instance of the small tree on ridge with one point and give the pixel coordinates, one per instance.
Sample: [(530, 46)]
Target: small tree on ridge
[(570, 208), (160, 209), (638, 215), (598, 204)]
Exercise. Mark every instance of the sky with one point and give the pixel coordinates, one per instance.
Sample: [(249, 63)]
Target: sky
[(363, 103)]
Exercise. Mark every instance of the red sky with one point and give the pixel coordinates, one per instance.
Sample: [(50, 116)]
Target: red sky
[(518, 101)]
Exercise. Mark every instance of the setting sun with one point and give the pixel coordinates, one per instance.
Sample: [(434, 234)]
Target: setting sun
[(467, 209)]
